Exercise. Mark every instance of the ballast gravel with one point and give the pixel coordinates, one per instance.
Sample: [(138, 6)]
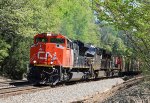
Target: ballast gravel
[(65, 94)]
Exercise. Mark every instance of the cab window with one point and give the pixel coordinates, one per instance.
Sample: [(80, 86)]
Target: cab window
[(57, 40), (41, 39), (69, 44)]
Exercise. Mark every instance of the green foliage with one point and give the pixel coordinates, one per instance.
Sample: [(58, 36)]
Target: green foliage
[(78, 21), (18, 58), (4, 50), (22, 19), (132, 18), (118, 47), (111, 40)]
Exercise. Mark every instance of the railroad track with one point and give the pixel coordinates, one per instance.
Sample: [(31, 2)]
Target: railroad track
[(28, 88), (8, 84), (8, 87), (20, 90), (5, 85)]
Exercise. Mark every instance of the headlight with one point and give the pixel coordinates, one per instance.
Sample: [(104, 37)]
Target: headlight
[(51, 62), (34, 61)]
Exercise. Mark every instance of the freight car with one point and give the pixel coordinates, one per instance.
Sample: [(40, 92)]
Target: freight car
[(55, 58)]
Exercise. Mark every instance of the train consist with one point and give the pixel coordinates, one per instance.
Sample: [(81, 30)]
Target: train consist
[(55, 58)]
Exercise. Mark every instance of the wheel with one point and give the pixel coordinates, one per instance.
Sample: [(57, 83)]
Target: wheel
[(96, 74)]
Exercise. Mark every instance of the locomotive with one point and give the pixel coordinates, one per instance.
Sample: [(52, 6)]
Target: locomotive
[(55, 58)]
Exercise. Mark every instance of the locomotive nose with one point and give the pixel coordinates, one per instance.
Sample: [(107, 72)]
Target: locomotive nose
[(42, 46), (43, 55), (46, 54)]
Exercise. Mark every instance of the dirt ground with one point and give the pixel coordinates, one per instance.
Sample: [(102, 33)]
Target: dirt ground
[(3, 79), (137, 93)]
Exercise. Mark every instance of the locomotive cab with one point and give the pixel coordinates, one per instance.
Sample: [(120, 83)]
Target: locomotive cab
[(50, 50)]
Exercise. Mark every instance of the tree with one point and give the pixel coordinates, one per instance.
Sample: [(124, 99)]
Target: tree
[(131, 17), (22, 19)]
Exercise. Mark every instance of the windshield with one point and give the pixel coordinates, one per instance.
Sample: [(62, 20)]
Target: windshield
[(91, 49), (41, 39), (57, 40)]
